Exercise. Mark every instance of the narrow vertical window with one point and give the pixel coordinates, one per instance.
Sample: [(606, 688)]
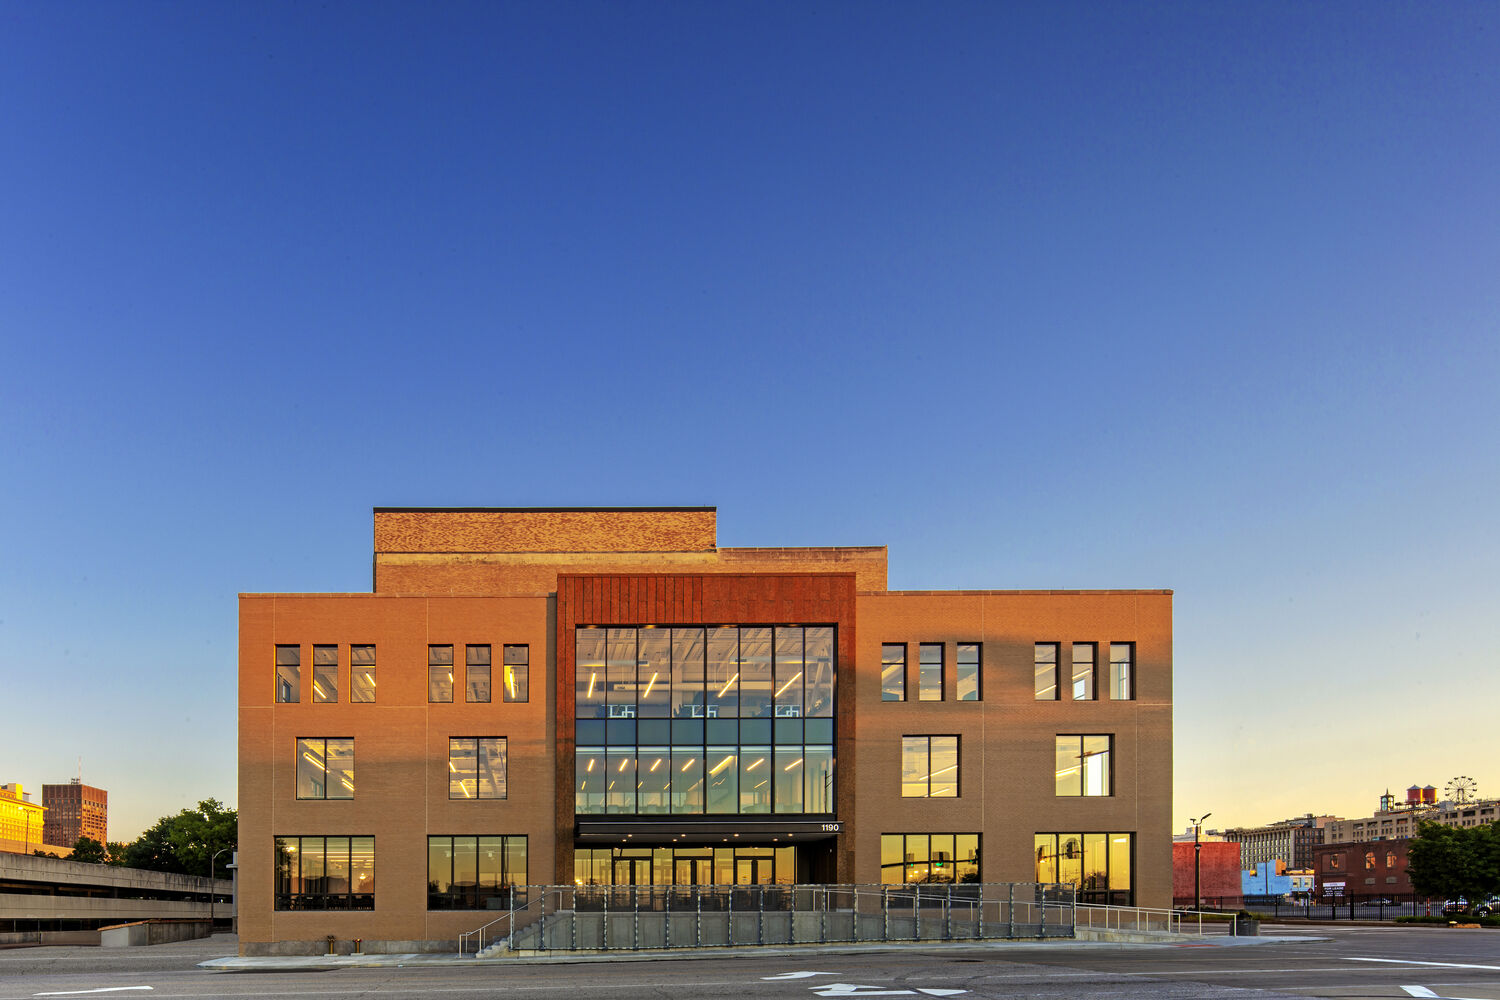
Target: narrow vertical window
[(1083, 671), (1045, 659), (930, 672), (893, 672), (477, 674), (325, 679), (439, 674), (362, 673), (967, 671), (517, 673), (288, 674), (1121, 671)]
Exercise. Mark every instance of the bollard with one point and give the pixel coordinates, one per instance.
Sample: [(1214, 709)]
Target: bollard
[(332, 950), (359, 946)]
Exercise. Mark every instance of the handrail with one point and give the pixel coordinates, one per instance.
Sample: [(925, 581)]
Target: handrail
[(466, 936)]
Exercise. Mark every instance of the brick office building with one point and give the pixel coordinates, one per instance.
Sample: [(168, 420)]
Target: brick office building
[(605, 696), (76, 810)]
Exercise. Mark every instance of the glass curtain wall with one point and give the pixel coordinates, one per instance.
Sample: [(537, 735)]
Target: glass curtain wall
[(724, 720)]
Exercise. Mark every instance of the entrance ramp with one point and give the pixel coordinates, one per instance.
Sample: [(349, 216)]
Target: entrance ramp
[(547, 919)]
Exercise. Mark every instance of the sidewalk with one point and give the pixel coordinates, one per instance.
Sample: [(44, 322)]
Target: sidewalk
[(285, 963)]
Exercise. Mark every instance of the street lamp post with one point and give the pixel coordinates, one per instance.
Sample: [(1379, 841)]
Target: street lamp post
[(1198, 860), (212, 892)]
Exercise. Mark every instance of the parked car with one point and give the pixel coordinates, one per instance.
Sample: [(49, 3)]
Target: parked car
[(1452, 906), (1489, 906), (1380, 902)]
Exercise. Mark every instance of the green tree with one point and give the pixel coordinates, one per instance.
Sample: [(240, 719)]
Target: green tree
[(116, 852), (185, 843), (1449, 862), (88, 850)]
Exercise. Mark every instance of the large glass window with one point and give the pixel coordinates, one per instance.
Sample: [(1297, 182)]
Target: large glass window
[(1121, 671), (684, 866), (474, 873), (925, 858), (930, 672), (362, 673), (1044, 656), (325, 873), (517, 673), (929, 767), (288, 674), (1099, 864), (893, 672), (1083, 765), (967, 672), (476, 767), (325, 768), (695, 720), (439, 674), (1083, 671), (477, 674), (325, 679)]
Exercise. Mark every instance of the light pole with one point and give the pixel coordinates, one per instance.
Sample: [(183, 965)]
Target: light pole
[(1198, 859), (212, 891)]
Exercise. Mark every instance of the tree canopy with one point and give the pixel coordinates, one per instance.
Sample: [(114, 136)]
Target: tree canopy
[(1454, 861), (186, 842)]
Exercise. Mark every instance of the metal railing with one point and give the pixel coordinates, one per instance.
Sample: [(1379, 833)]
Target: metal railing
[(1137, 919), (611, 918)]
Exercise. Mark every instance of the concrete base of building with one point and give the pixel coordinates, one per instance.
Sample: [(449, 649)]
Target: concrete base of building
[(320, 947)]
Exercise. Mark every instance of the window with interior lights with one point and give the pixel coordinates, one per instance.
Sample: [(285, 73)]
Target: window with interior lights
[(929, 767), (517, 672), (288, 674), (476, 674), (474, 873), (1044, 656), (967, 671), (362, 673), (1100, 865), (325, 767), (926, 858), (476, 767), (439, 674), (930, 671), (717, 720), (1083, 765), (1121, 671), (325, 678), (325, 873), (1084, 658), (893, 671)]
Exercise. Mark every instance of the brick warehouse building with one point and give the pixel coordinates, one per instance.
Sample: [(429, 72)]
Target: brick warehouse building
[(605, 696)]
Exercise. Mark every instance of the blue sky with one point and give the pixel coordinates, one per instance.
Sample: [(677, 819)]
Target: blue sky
[(1199, 296)]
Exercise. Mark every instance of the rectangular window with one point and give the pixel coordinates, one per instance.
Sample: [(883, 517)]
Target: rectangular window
[(968, 671), (325, 768), (1121, 669), (517, 673), (288, 674), (325, 873), (439, 674), (476, 767), (474, 873), (325, 679), (1099, 864), (1083, 765), (1083, 671), (362, 673), (930, 672), (477, 674), (1045, 658), (893, 672), (925, 858), (929, 767)]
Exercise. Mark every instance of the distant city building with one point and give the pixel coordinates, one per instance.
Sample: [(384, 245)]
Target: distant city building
[(20, 820), (1398, 821), (1290, 841), (1188, 836), (75, 810), (1368, 870), (1267, 881)]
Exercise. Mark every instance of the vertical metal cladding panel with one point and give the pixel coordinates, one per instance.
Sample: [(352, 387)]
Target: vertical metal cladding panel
[(707, 599)]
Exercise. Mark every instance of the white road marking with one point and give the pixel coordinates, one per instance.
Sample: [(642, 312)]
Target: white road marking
[(1418, 991), (102, 989), (798, 975), (851, 990), (1441, 965)]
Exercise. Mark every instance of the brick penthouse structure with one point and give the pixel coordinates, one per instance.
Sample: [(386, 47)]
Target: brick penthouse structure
[(605, 697)]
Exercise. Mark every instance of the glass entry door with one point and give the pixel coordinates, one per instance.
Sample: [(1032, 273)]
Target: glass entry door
[(693, 871), (753, 871), (632, 871)]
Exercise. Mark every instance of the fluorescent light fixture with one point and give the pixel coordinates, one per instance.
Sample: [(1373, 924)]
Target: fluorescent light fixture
[(728, 684), (789, 682)]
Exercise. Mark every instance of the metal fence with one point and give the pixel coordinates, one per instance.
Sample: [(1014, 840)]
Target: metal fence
[(1362, 907), (630, 918)]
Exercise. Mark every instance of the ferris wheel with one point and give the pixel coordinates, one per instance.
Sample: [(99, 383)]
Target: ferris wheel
[(1462, 789)]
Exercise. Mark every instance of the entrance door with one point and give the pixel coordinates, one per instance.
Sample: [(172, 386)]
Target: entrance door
[(632, 871), (693, 871), (752, 871)]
